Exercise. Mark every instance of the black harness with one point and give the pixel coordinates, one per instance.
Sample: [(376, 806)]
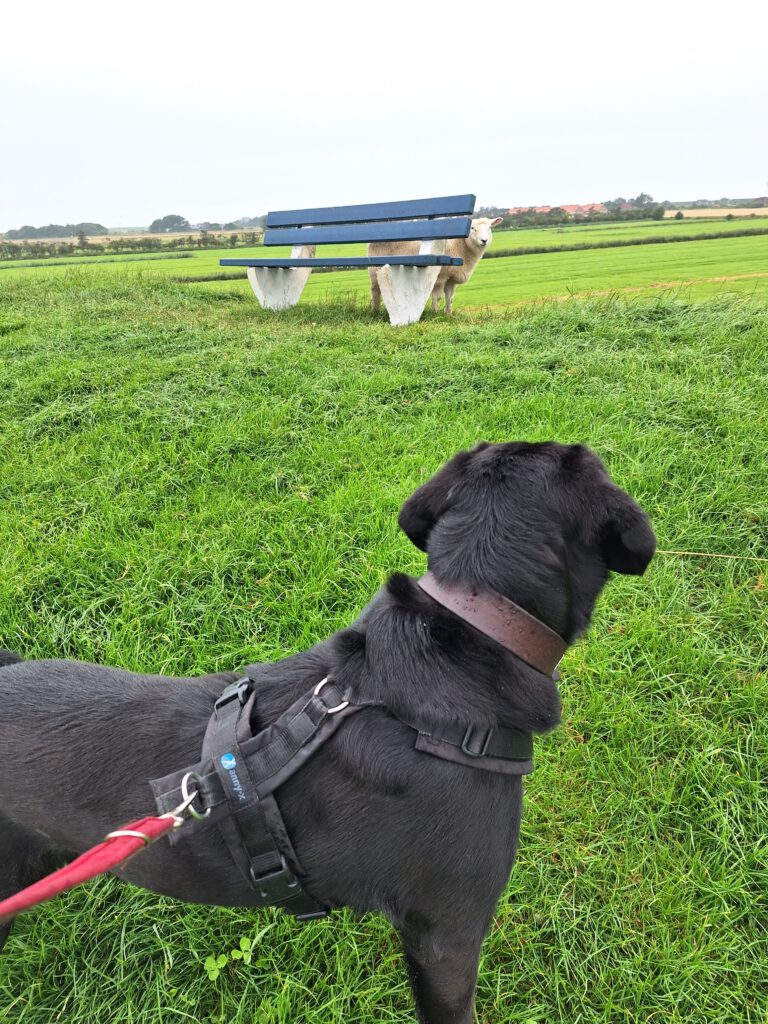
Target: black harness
[(239, 772)]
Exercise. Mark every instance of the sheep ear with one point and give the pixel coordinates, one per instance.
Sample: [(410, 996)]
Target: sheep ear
[(496, 221), (425, 506), (627, 542)]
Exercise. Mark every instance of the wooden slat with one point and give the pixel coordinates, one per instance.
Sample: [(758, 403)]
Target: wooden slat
[(350, 261), (396, 231), (440, 206)]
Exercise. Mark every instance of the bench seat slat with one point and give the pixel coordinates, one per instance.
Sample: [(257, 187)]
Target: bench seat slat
[(347, 261), (391, 231), (439, 206)]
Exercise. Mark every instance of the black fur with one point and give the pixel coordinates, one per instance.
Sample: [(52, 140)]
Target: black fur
[(376, 824)]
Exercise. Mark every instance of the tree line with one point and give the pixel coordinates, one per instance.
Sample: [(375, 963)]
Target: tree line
[(642, 207), (32, 249), (57, 231)]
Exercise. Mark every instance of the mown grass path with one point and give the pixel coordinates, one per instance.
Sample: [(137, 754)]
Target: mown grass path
[(189, 483)]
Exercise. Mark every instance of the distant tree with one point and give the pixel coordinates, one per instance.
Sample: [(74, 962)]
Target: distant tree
[(657, 212), (56, 231), (679, 215), (643, 199), (171, 222), (491, 211), (82, 239), (90, 228)]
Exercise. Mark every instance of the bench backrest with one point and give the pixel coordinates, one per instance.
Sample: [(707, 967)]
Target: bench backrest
[(406, 221)]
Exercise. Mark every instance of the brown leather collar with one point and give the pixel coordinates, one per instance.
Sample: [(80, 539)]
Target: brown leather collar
[(502, 620)]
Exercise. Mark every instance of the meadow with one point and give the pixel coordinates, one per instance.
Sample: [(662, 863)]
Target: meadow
[(554, 237), (708, 267), (190, 483)]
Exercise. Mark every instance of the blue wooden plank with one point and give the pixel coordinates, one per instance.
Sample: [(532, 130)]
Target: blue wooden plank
[(394, 231), (350, 261), (440, 206)]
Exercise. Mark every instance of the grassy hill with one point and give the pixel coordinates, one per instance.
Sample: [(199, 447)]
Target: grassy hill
[(190, 483)]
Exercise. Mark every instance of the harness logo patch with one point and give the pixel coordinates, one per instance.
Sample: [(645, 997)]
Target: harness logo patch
[(229, 762)]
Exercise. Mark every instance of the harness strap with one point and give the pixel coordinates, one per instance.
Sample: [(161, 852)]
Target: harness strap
[(250, 769), (238, 774), (500, 750)]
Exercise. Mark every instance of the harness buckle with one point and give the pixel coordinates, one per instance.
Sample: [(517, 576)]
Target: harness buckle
[(278, 885), (478, 749), (238, 689)]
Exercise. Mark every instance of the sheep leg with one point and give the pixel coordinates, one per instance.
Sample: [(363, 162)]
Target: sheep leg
[(437, 294), (450, 288), (373, 273)]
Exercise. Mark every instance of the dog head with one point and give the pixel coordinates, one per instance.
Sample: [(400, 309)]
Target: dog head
[(542, 524)]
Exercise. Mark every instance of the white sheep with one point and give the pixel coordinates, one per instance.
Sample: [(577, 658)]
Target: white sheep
[(470, 249)]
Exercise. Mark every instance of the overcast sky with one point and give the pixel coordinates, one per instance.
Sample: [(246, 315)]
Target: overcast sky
[(123, 112)]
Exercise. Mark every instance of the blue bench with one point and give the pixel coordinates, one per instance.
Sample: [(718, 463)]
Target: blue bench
[(405, 281)]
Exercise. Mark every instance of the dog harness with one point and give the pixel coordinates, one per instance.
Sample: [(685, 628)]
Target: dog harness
[(239, 774)]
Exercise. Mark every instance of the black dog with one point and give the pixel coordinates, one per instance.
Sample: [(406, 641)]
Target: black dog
[(376, 824)]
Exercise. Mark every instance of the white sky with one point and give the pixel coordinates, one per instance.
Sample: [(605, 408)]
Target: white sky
[(123, 112)]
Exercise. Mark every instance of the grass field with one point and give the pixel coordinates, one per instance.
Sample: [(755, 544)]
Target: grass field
[(190, 483), (692, 269), (507, 239), (721, 211)]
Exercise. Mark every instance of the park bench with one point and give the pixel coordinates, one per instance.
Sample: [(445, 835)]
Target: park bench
[(405, 281)]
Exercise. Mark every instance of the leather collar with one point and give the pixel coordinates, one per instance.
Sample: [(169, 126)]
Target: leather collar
[(502, 620)]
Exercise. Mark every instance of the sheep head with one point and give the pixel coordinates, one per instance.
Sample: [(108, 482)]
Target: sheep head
[(481, 232)]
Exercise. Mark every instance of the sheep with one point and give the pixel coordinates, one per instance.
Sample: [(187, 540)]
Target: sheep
[(470, 249)]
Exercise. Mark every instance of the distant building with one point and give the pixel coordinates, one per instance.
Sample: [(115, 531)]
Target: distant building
[(575, 210)]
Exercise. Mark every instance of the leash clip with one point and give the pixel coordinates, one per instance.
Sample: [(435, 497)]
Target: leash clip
[(186, 808)]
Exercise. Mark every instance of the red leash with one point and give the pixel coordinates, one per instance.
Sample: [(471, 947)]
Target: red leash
[(117, 847)]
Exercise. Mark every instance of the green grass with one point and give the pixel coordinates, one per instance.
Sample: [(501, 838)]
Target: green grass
[(690, 269), (622, 230), (190, 483), (556, 237)]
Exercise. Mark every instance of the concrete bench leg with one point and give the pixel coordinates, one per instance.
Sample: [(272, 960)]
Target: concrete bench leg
[(405, 290), (280, 287)]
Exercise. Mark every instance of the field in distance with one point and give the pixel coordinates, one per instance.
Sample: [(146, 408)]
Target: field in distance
[(721, 211), (700, 268), (511, 238), (620, 228)]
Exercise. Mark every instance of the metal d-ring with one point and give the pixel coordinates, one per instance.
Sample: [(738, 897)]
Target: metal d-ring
[(329, 711), (189, 797)]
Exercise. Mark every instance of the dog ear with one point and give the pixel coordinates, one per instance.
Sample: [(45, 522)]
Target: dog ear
[(627, 541), (425, 506)]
